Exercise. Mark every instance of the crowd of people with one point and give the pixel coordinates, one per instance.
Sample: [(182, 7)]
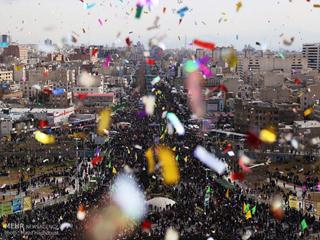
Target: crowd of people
[(222, 218)]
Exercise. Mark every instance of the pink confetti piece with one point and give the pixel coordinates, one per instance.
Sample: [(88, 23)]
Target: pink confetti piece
[(107, 61), (100, 22)]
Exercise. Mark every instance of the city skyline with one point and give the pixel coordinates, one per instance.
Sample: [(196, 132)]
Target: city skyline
[(34, 21)]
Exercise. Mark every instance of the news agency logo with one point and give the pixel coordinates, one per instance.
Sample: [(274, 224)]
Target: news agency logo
[(13, 226)]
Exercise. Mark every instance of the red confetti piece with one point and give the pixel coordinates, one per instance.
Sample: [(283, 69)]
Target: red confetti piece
[(82, 96), (47, 91), (94, 52), (237, 176), (150, 61), (43, 123), (228, 148), (146, 225), (46, 73), (203, 44), (96, 160), (221, 87), (128, 41), (297, 81), (253, 140)]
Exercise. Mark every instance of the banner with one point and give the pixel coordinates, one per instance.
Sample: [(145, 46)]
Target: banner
[(17, 205), (5, 209), (27, 204), (293, 202)]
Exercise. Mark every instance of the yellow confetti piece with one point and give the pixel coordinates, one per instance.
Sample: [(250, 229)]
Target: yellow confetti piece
[(232, 60), (268, 135), (19, 68), (170, 171), (44, 138), (307, 112), (238, 6), (104, 121), (114, 170), (150, 160)]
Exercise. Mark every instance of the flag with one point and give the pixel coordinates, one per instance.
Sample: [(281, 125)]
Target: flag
[(248, 215), (227, 194), (304, 225), (254, 209), (247, 208), (109, 164)]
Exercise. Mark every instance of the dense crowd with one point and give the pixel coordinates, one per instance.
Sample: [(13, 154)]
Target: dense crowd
[(222, 218)]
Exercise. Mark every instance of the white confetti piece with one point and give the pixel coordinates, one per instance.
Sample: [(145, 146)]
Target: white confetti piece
[(174, 120), (209, 159)]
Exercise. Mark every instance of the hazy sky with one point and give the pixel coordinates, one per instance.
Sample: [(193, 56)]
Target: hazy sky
[(31, 21)]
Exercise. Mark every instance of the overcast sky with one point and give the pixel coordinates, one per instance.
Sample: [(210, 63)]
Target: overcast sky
[(32, 21)]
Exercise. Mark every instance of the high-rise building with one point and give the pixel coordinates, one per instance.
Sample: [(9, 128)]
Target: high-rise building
[(5, 38), (48, 42), (312, 53), (17, 51)]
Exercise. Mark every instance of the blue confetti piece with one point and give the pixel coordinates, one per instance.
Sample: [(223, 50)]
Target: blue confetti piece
[(4, 44), (182, 11), (89, 6), (58, 91)]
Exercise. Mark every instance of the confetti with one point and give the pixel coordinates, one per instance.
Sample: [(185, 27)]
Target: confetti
[(277, 208), (149, 103), (128, 42), (182, 11), (288, 42), (171, 234), (155, 80), (209, 160), (191, 66), (100, 22), (268, 135), (243, 162), (65, 225), (176, 123), (43, 123), (104, 121), (139, 11), (88, 6), (44, 138), (58, 91), (307, 112), (4, 44), (234, 176), (124, 188), (207, 45), (87, 80), (169, 166), (238, 6), (81, 213), (297, 81), (106, 64)]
